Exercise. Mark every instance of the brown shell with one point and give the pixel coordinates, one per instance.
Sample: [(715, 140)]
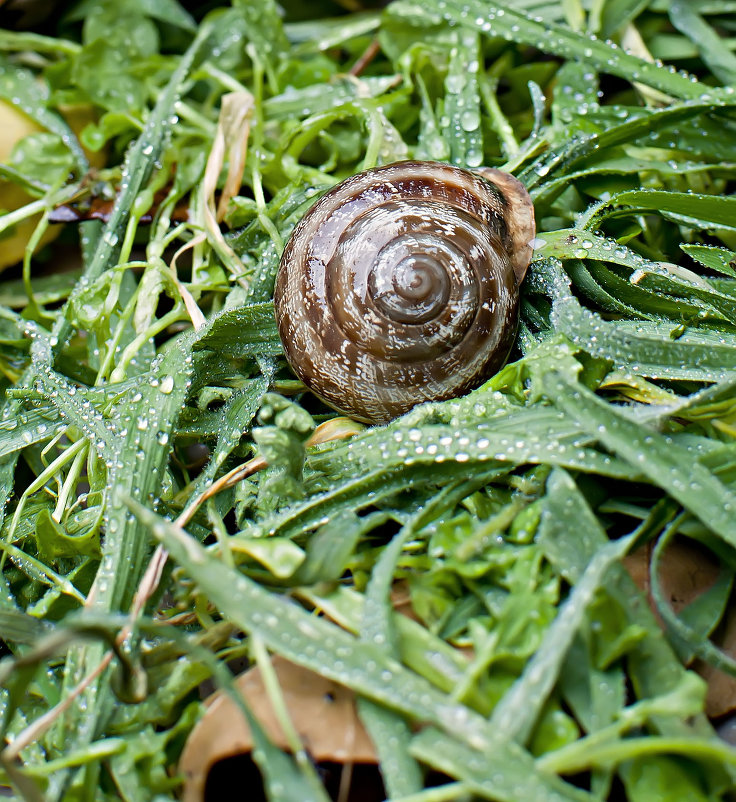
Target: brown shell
[(400, 285)]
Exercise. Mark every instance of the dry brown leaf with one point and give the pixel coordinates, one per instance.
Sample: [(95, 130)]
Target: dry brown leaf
[(231, 141), (322, 712), (686, 571)]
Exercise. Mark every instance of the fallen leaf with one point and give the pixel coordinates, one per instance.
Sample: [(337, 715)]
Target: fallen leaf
[(322, 712), (686, 571)]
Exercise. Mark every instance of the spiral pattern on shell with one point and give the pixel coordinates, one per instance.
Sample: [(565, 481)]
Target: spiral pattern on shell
[(400, 285)]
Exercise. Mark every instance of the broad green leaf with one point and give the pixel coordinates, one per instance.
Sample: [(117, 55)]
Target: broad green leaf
[(19, 87), (164, 10), (244, 331), (660, 777), (54, 542), (719, 259)]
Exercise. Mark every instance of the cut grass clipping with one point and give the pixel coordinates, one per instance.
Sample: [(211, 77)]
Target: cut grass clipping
[(175, 505)]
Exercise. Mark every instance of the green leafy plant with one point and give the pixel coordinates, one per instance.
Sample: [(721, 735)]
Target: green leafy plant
[(172, 498)]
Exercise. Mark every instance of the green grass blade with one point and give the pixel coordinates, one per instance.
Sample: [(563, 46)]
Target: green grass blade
[(696, 211), (461, 121), (656, 456), (499, 19), (244, 331), (137, 169), (710, 45), (28, 428), (489, 775), (331, 652), (647, 349), (313, 642)]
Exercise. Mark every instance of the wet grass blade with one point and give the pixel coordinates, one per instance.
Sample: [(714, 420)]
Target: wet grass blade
[(714, 52), (137, 169), (700, 356), (489, 778), (500, 19), (655, 455)]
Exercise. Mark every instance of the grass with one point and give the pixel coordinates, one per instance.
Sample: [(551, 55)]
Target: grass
[(535, 667)]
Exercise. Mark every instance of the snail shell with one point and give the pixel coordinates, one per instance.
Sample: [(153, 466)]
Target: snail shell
[(401, 285)]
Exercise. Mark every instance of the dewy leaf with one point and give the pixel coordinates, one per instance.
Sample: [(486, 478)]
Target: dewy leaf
[(527, 438), (656, 456), (136, 171), (138, 459), (169, 11), (499, 19), (73, 404), (653, 666), (28, 427), (482, 774), (461, 120), (138, 455), (54, 542), (647, 348), (331, 652), (20, 88), (655, 278), (691, 209), (310, 641), (234, 420), (575, 93), (636, 125), (713, 50), (245, 331), (388, 731), (720, 259)]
